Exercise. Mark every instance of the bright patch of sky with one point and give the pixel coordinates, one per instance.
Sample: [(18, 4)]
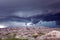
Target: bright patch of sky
[(45, 23)]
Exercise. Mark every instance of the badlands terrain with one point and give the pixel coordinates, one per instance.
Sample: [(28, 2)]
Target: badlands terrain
[(30, 33)]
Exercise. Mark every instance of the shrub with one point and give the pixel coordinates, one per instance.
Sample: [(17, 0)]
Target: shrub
[(41, 33), (35, 35)]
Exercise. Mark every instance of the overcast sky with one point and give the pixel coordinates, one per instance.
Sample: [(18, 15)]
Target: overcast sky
[(26, 8)]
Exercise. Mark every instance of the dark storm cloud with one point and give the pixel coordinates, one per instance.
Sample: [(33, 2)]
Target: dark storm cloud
[(52, 17), (24, 3), (26, 7), (58, 22), (55, 5), (45, 10), (46, 17)]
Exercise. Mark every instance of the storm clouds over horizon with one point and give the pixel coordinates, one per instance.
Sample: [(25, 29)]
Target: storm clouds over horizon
[(30, 8)]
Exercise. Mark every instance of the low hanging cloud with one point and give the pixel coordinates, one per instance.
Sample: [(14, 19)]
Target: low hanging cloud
[(31, 10)]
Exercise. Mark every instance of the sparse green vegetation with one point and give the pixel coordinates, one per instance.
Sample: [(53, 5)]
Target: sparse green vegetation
[(0, 39), (13, 39), (23, 39)]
